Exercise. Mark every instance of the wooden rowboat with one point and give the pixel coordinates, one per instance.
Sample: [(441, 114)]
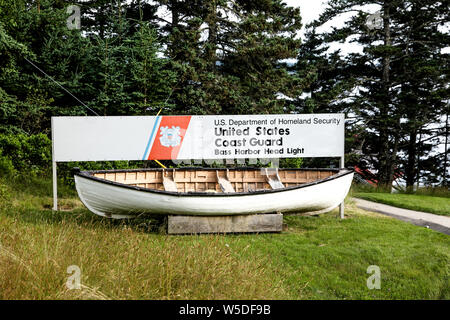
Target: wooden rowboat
[(211, 192)]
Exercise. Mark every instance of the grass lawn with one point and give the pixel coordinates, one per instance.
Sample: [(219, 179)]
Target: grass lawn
[(314, 258), (431, 204)]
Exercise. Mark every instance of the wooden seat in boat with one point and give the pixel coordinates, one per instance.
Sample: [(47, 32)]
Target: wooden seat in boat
[(273, 179), (224, 182), (169, 182)]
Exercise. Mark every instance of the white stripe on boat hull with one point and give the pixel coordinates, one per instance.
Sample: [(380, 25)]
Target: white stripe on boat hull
[(114, 201)]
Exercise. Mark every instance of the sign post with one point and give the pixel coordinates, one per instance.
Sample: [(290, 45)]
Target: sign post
[(341, 206), (54, 173), (55, 186)]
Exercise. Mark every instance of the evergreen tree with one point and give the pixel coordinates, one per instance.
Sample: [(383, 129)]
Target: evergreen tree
[(40, 29), (423, 75), (228, 54), (381, 78), (119, 74)]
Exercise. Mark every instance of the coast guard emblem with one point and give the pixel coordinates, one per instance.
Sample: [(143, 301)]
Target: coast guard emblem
[(170, 137)]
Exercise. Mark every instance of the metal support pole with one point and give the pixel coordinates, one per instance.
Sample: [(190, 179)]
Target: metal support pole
[(341, 206), (54, 173), (55, 187)]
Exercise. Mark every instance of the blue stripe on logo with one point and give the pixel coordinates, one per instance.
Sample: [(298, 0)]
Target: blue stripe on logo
[(151, 137)]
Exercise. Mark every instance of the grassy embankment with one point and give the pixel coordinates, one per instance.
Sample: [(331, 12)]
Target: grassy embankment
[(424, 200), (315, 258)]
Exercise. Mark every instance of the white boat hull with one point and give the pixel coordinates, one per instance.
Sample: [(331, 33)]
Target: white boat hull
[(115, 201)]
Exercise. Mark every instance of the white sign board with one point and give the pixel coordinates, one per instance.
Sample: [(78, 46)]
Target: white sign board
[(197, 137)]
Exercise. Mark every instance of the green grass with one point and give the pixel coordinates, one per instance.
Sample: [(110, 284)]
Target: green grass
[(434, 191), (314, 258), (419, 202)]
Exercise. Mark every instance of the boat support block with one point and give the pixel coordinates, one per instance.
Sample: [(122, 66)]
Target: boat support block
[(269, 222)]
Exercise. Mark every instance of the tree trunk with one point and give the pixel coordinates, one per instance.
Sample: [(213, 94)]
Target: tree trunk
[(173, 52), (175, 15), (418, 159), (385, 156), (410, 169), (211, 43), (444, 175), (393, 160)]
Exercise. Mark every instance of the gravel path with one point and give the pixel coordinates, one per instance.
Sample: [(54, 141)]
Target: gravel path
[(423, 219)]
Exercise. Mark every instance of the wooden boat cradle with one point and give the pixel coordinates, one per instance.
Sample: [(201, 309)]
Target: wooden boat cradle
[(215, 180)]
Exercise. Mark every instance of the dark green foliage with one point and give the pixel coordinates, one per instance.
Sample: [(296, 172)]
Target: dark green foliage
[(291, 163), (25, 153), (6, 166), (228, 55), (115, 72), (130, 78)]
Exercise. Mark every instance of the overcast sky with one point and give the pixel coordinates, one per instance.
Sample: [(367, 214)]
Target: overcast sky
[(310, 9)]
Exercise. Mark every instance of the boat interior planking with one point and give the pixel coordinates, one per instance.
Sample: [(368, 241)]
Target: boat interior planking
[(214, 180)]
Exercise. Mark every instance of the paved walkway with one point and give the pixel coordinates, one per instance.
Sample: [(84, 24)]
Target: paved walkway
[(423, 219)]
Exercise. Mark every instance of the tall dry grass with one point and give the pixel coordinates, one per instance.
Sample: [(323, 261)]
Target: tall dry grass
[(118, 260), (121, 264)]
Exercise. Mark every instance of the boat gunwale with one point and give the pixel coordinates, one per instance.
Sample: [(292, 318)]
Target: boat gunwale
[(90, 175)]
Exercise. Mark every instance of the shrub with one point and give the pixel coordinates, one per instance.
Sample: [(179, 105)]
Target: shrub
[(291, 163), (6, 166), (5, 194), (25, 153)]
